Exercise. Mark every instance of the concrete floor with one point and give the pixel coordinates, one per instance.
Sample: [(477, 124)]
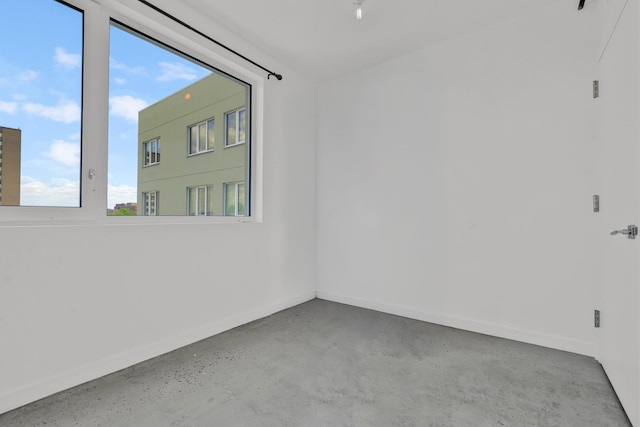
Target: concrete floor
[(327, 364)]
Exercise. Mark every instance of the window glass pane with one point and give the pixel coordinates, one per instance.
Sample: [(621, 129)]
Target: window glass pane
[(203, 137), (147, 153), (210, 200), (241, 125), (193, 139), (156, 93), (201, 200), (192, 201), (211, 137), (230, 202), (40, 104), (231, 128), (242, 211)]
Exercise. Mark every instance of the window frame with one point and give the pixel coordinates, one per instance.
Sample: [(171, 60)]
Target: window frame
[(189, 136), (253, 129), (146, 205), (97, 19), (29, 215), (235, 112), (146, 159), (236, 185), (208, 200)]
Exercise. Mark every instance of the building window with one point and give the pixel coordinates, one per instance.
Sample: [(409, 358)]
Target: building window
[(150, 205), (200, 200), (234, 199), (235, 124), (202, 137), (152, 152)]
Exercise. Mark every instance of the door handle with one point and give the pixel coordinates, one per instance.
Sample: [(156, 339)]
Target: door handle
[(631, 232)]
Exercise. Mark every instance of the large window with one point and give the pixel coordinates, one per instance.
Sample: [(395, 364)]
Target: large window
[(152, 152), (236, 126), (93, 109), (202, 137), (234, 199), (158, 94), (200, 200), (40, 103)]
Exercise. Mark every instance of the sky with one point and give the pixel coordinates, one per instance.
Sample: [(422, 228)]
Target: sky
[(40, 93)]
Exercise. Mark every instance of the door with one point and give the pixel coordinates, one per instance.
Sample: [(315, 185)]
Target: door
[(618, 184)]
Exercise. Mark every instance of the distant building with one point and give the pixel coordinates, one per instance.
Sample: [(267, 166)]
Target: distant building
[(10, 158), (133, 207), (192, 155)]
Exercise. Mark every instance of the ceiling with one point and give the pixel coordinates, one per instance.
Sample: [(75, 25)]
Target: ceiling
[(322, 38)]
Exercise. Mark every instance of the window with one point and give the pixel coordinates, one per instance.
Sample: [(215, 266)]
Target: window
[(234, 199), (152, 152), (236, 127), (202, 137), (150, 205), (157, 94), (75, 131), (41, 103), (200, 200)]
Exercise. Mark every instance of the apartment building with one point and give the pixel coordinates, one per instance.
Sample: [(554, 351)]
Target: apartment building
[(10, 149), (193, 151)]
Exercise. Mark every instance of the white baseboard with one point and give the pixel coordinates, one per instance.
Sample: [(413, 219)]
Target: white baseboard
[(530, 337), (16, 398)]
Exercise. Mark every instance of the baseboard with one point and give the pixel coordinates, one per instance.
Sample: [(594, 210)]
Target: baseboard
[(530, 337), (16, 398)]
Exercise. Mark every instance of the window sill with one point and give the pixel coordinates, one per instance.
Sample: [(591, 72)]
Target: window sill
[(201, 152), (234, 145), (177, 220), (111, 221)]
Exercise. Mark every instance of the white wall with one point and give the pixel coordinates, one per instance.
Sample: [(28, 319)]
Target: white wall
[(78, 302), (455, 183)]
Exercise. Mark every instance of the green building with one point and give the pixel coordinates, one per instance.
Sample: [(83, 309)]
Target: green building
[(193, 151)]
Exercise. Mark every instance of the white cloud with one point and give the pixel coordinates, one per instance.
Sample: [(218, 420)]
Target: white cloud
[(126, 107), (121, 194), (176, 71), (8, 107), (120, 81), (28, 76), (67, 60), (138, 70), (67, 153), (66, 193), (65, 111), (59, 192)]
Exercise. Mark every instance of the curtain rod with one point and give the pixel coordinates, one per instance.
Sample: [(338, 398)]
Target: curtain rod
[(200, 33)]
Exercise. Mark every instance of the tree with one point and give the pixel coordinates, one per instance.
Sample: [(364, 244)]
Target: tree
[(123, 212)]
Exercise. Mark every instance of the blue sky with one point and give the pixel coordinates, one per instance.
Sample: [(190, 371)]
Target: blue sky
[(40, 93)]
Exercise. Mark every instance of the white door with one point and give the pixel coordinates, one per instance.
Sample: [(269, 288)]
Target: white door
[(618, 183)]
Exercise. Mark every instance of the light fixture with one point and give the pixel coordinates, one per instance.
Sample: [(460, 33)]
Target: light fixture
[(358, 4)]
